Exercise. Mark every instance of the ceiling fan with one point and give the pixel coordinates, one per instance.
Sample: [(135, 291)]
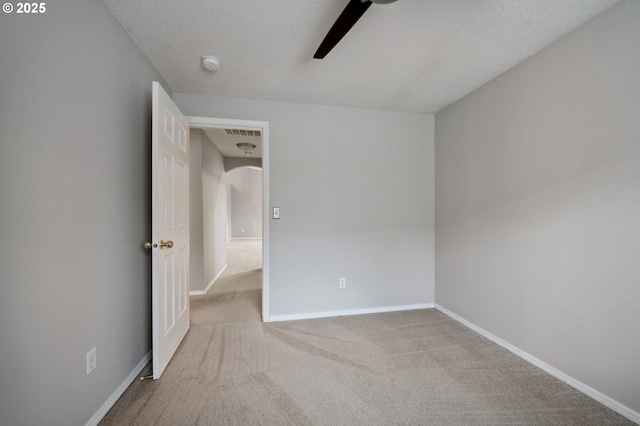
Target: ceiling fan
[(347, 19)]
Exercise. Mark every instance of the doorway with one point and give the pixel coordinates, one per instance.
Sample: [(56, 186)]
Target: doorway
[(254, 128)]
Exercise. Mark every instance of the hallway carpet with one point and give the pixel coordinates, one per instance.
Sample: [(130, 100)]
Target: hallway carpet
[(401, 368)]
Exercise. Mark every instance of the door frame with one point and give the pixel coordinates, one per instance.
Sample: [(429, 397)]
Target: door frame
[(263, 126)]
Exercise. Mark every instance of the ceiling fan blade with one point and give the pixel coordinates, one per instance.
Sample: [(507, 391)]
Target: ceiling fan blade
[(347, 19)]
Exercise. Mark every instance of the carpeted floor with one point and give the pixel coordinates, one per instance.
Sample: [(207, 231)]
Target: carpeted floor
[(402, 368)]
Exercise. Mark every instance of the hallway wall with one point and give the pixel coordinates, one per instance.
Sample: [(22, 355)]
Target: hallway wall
[(209, 212), (245, 186), (196, 209)]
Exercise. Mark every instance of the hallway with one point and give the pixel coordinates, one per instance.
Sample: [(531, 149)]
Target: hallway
[(237, 294)]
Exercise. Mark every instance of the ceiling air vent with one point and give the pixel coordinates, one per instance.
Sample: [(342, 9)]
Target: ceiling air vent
[(242, 132)]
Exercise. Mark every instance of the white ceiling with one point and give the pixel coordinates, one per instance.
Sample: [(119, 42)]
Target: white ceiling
[(412, 55)]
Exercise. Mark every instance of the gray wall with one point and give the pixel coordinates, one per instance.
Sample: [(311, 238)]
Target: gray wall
[(538, 205), (75, 98), (196, 210), (245, 185), (351, 205), (209, 212), (215, 211)]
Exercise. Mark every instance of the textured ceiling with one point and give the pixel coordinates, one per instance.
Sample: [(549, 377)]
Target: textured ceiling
[(412, 55)]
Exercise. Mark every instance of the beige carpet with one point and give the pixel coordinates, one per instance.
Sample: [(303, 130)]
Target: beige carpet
[(404, 368)]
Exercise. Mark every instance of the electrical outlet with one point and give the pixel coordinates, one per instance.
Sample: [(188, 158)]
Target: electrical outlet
[(92, 360), (343, 283)]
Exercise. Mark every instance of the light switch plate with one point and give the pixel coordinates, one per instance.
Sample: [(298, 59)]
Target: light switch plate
[(276, 212)]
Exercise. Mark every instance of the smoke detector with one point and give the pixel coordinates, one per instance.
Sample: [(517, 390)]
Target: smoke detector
[(210, 63)]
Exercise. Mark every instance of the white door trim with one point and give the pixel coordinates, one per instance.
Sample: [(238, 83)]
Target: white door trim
[(217, 123)]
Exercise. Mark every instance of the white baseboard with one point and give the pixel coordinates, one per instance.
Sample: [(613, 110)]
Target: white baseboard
[(312, 315), (589, 391), (201, 292), (93, 421)]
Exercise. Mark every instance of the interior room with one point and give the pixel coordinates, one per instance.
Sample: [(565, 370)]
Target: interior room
[(472, 161)]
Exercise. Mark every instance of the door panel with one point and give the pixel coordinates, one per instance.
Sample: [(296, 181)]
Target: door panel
[(170, 223)]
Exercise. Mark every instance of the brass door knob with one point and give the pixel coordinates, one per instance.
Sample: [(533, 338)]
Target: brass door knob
[(167, 244), (163, 244)]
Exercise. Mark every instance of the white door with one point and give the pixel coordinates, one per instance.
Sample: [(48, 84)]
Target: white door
[(170, 228)]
